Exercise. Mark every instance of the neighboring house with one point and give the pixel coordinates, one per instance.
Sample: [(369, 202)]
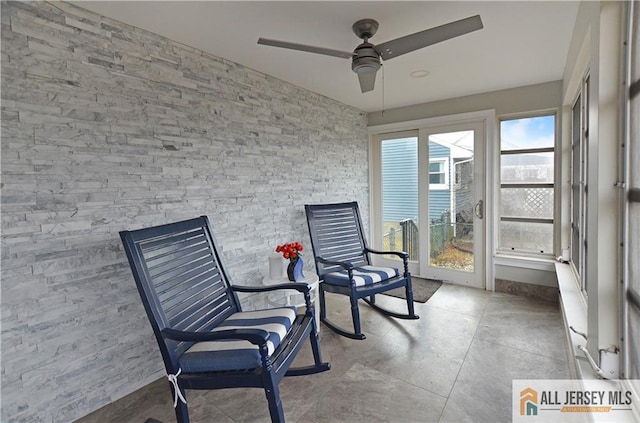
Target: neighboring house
[(447, 190), (400, 179)]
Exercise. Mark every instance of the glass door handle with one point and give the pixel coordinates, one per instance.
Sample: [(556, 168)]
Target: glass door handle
[(479, 209)]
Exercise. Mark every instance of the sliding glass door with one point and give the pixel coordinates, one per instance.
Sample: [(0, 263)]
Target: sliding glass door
[(430, 201)]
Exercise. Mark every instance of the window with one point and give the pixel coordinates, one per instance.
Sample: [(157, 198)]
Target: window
[(438, 174), (526, 211), (579, 138)]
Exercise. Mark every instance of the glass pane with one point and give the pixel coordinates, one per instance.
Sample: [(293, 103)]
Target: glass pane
[(584, 156), (400, 196), (526, 236), (534, 132), (451, 238), (576, 187), (526, 202), (526, 168), (436, 178)]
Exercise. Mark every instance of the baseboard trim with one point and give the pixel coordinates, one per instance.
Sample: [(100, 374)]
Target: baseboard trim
[(529, 290)]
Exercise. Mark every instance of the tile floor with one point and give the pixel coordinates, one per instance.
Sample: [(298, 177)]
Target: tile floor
[(455, 364)]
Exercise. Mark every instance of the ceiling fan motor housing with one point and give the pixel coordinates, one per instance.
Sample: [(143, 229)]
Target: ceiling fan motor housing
[(365, 59)]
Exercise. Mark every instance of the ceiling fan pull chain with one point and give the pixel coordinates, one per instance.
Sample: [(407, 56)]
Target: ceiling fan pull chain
[(382, 90)]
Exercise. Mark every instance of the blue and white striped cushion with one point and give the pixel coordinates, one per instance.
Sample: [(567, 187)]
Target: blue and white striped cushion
[(362, 276), (232, 355)]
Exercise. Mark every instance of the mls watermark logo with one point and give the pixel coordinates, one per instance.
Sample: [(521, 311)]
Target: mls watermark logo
[(575, 400), (528, 402)]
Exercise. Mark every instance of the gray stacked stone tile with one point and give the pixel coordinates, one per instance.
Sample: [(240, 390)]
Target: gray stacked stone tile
[(108, 127)]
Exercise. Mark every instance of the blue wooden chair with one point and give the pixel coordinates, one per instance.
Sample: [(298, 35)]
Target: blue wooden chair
[(206, 340), (344, 266)]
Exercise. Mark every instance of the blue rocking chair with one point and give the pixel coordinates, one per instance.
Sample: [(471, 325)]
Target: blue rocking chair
[(206, 340), (344, 266)]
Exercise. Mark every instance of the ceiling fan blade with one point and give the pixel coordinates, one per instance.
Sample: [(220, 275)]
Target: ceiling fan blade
[(409, 43), (367, 81), (304, 47)]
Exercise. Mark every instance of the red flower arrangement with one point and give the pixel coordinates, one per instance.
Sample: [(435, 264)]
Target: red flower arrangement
[(290, 250)]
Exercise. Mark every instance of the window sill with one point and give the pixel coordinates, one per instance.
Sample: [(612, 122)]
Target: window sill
[(525, 262), (574, 314)]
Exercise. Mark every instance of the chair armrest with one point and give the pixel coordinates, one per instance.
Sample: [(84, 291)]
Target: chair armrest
[(255, 336), (301, 287), (400, 254), (345, 264), (404, 256)]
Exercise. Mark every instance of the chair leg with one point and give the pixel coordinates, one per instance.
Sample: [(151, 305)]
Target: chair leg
[(409, 295), (318, 365), (411, 314), (275, 405), (323, 308), (337, 329), (182, 413), (355, 315), (315, 348)]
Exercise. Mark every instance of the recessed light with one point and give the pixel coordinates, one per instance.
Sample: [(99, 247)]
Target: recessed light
[(421, 73)]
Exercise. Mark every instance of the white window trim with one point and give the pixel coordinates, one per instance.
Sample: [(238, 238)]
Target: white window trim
[(445, 170)]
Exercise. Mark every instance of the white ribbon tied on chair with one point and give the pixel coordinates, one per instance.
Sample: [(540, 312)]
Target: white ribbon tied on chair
[(176, 390)]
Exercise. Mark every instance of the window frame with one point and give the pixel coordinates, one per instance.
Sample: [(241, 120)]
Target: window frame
[(630, 298), (445, 171), (578, 248)]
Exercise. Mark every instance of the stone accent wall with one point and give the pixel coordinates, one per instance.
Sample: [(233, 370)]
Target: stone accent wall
[(107, 127)]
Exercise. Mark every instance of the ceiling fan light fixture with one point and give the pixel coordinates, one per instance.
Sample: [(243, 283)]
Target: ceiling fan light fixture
[(367, 81)]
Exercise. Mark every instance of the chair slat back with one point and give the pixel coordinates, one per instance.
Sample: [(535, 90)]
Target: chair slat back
[(336, 234), (180, 279)]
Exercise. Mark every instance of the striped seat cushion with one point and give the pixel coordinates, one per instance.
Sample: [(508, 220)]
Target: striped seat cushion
[(233, 355), (363, 276)]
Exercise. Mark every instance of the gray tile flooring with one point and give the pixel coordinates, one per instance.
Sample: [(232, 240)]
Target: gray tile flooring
[(455, 364)]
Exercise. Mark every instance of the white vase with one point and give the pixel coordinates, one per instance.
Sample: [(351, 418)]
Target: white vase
[(276, 266)]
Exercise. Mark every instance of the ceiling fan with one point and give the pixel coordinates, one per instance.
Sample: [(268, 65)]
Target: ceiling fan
[(365, 59)]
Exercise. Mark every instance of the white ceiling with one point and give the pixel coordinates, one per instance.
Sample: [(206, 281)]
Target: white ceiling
[(522, 43)]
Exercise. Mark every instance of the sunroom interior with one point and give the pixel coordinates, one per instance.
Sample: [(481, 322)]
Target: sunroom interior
[(108, 127)]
